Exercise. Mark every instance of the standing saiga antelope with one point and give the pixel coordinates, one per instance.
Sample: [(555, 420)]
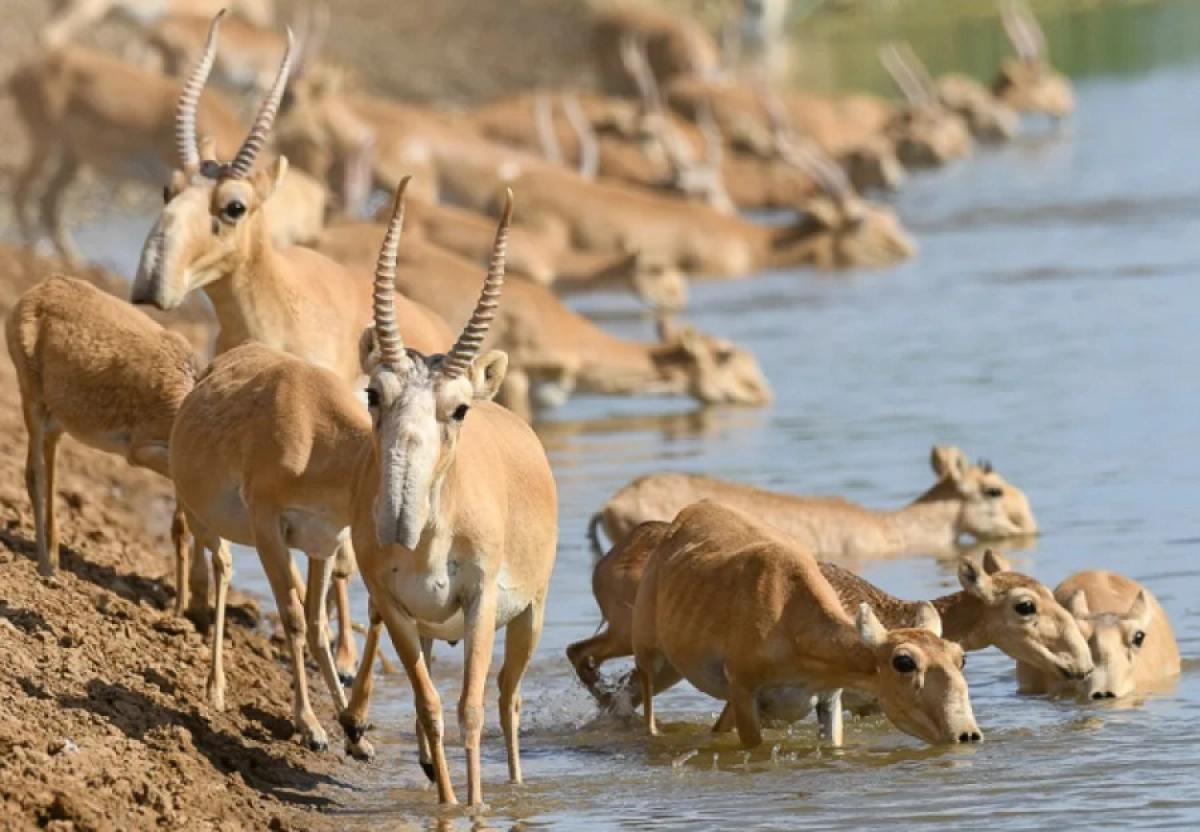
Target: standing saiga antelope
[(1028, 83), (83, 108), (996, 606), (212, 234), (744, 614), (966, 499), (92, 366), (1130, 637), (454, 521)]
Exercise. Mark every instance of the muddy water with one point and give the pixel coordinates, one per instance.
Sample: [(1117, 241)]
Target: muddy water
[(1049, 325)]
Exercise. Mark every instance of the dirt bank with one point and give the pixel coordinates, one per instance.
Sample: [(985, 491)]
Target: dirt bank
[(103, 719)]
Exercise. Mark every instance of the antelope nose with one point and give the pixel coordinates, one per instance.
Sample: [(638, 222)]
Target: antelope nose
[(1104, 694), (973, 736)]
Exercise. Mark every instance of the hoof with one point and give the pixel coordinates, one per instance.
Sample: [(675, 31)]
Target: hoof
[(317, 744), (429, 772), (360, 750)]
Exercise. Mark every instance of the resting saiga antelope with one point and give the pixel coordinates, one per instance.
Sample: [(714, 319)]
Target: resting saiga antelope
[(966, 499), (996, 607), (212, 235), (454, 521), (92, 366), (85, 108), (744, 614), (1130, 637)]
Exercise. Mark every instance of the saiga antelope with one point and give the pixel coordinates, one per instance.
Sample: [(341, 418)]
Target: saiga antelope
[(996, 606), (1128, 632), (76, 15), (85, 108), (212, 235), (1027, 82), (965, 499), (454, 521), (926, 133), (675, 46), (744, 614), (92, 366)]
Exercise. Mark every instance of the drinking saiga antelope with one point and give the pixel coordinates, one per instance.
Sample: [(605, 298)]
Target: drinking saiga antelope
[(965, 499), (744, 614), (91, 365), (996, 607), (454, 522), (212, 234), (1128, 632)]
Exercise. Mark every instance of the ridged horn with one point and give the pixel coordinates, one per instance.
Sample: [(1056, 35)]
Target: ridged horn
[(467, 346), (185, 110), (387, 331), (243, 163)]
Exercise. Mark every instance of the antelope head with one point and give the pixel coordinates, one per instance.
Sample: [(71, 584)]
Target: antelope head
[(1028, 83), (919, 678), (1022, 618), (1115, 641), (658, 281), (992, 507), (212, 220), (988, 118), (418, 403), (712, 370), (873, 166), (926, 133)]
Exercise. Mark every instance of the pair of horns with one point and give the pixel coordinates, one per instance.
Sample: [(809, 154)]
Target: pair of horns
[(1023, 30), (185, 113), (387, 331), (589, 153), (909, 72)]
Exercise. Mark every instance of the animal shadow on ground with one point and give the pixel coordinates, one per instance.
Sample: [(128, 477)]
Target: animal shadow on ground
[(137, 716)]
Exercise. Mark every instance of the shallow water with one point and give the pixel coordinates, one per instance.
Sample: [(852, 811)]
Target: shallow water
[(1047, 325)]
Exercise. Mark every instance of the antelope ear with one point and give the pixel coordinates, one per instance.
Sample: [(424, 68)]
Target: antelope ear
[(994, 562), (1139, 611), (1077, 605), (928, 618), (872, 633), (368, 350), (945, 459), (208, 149), (487, 373), (266, 183), (976, 580)]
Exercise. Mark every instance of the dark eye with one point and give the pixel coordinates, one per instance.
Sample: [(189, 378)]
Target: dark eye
[(235, 210), (1138, 638), (993, 491), (459, 413), (962, 664), (372, 397), (1025, 608), (904, 663)]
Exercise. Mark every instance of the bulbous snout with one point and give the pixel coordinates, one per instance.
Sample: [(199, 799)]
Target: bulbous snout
[(1105, 684), (149, 287)]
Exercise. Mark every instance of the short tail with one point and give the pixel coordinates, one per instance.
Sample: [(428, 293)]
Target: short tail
[(594, 535)]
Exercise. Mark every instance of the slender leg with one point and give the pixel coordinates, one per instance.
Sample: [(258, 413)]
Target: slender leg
[(179, 539), (197, 609), (829, 715), (520, 640), (648, 664), (480, 623), (724, 722), (277, 563), (222, 572), (35, 484), (50, 440), (40, 152), (346, 658), (586, 657), (424, 750), (353, 718), (319, 572), (52, 217), (744, 701)]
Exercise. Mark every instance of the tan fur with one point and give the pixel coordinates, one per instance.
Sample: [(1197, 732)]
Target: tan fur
[(983, 614), (262, 454), (1112, 611), (74, 16), (456, 530), (744, 614), (249, 54), (674, 45), (1027, 82), (92, 366), (77, 107), (988, 118), (554, 352), (957, 504)]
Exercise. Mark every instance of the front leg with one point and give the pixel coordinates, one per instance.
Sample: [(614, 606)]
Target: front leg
[(829, 715), (353, 717), (480, 623)]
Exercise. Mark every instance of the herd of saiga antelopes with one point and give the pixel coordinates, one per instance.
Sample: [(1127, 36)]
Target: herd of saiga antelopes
[(443, 498)]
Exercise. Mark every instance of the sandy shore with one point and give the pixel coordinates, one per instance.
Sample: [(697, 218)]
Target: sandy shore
[(104, 723)]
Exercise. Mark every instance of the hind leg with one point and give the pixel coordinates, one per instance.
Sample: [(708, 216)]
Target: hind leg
[(23, 184), (52, 218), (40, 496), (346, 657), (520, 638)]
